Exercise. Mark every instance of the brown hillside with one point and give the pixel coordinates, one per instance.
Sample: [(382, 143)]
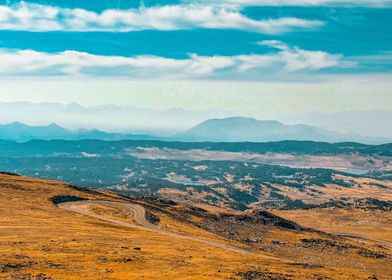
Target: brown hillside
[(39, 240)]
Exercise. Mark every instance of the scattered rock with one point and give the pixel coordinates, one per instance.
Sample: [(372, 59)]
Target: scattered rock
[(278, 242), (46, 249), (20, 256), (54, 265), (152, 218), (252, 240), (308, 265), (22, 276), (9, 267), (325, 243), (102, 259), (43, 276), (259, 275), (166, 202), (371, 254)]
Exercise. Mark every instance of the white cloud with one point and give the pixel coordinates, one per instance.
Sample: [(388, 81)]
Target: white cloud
[(305, 3), (296, 59), (29, 62), (73, 63), (36, 17)]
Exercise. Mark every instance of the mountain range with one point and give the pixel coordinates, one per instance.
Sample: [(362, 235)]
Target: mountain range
[(21, 133), (110, 117), (234, 129)]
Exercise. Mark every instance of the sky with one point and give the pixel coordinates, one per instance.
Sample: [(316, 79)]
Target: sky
[(279, 59)]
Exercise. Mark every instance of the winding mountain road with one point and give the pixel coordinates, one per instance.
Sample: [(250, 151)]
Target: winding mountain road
[(385, 243), (139, 214)]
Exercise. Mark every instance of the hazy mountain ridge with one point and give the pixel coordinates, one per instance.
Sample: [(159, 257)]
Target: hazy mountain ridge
[(21, 132), (240, 129), (233, 129), (107, 117), (110, 118)]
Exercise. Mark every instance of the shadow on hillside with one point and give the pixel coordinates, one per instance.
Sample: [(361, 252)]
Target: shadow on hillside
[(62, 199)]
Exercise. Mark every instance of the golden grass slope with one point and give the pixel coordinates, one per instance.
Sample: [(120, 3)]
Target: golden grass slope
[(374, 225), (38, 240)]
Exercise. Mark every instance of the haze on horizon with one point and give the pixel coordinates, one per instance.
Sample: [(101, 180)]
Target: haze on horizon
[(164, 66)]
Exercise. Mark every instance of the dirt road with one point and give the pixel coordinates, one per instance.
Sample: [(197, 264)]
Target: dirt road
[(84, 208), (384, 243)]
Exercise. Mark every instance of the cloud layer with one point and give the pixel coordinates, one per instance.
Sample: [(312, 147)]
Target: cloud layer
[(37, 17), (73, 63), (305, 3)]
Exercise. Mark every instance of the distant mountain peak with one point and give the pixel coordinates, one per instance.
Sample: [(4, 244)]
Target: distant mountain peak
[(16, 124), (243, 129), (239, 119), (54, 125)]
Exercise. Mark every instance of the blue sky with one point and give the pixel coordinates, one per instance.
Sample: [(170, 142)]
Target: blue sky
[(185, 51), (357, 36)]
